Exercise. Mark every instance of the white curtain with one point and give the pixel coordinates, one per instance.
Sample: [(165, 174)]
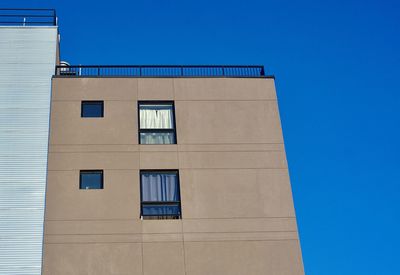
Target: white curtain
[(160, 187), (156, 117), (157, 138)]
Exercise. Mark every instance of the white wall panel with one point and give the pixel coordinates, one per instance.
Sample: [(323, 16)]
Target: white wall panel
[(27, 61)]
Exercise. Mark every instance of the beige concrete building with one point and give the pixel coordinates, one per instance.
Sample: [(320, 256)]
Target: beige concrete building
[(212, 145)]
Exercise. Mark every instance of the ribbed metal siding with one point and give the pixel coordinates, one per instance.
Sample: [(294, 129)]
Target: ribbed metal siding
[(27, 60)]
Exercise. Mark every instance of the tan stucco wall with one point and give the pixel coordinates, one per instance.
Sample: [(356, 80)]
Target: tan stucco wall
[(237, 208)]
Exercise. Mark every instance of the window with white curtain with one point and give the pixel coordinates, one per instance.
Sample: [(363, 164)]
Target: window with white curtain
[(160, 195), (157, 122)]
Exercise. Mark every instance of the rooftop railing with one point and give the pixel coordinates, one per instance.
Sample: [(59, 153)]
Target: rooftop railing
[(28, 17), (161, 71)]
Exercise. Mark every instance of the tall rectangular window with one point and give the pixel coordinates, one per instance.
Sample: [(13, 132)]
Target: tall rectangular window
[(92, 109), (91, 179), (160, 194), (157, 122)]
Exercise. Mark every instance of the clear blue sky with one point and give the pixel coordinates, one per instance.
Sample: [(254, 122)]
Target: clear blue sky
[(337, 68)]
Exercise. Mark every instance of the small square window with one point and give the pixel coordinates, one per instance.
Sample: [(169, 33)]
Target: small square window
[(91, 179), (92, 109), (160, 195), (156, 122)]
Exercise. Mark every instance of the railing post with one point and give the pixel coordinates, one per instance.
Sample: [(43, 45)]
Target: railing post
[(98, 70), (55, 18), (223, 71), (262, 73), (181, 70)]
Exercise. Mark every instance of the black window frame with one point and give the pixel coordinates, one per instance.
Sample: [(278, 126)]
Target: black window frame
[(91, 171), (92, 102), (158, 130), (179, 203)]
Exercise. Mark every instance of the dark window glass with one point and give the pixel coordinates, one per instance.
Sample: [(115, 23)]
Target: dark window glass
[(92, 109), (91, 179), (160, 195), (157, 122), (162, 210)]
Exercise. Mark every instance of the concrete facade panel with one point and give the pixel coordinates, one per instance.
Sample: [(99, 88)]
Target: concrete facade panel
[(162, 237), (158, 160), (226, 160), (239, 225), (163, 258), (93, 238), (155, 89), (118, 200), (224, 89), (93, 148), (227, 122), (165, 226), (94, 161), (93, 259), (76, 89), (245, 147), (158, 148), (243, 257), (118, 126), (239, 193), (240, 236), (93, 226)]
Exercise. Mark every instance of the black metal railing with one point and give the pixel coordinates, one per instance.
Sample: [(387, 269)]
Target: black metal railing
[(161, 71), (28, 17), (161, 210)]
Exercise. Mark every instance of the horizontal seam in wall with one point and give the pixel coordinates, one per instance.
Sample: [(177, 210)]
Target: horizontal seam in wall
[(183, 220), (158, 152), (163, 77), (176, 100), (172, 167), (176, 241), (227, 100), (171, 233), (184, 144)]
